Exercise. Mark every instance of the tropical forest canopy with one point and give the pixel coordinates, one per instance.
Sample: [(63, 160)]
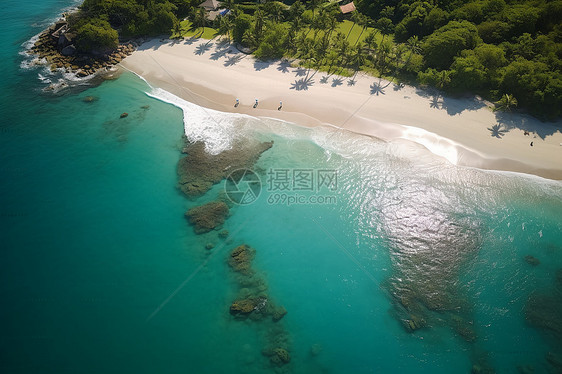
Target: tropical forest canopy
[(489, 47)]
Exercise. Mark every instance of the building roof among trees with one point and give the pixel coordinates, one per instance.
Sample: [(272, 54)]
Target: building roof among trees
[(210, 4), (347, 8)]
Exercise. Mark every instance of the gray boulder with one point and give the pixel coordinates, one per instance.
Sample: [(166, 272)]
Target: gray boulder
[(69, 50)]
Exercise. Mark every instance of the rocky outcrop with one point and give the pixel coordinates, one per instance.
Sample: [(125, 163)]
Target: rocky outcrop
[(241, 258), (245, 306), (200, 170), (277, 356), (56, 46), (207, 217), (278, 313)]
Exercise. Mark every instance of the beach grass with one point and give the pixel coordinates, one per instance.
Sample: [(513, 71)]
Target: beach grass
[(187, 30)]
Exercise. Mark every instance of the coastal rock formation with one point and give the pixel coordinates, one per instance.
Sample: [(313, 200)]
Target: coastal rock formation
[(55, 45), (199, 170), (207, 217), (241, 259)]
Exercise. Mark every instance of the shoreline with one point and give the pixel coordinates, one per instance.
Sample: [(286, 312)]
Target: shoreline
[(462, 130)]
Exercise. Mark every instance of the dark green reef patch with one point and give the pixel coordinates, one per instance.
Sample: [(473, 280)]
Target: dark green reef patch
[(200, 170), (544, 309), (207, 217), (253, 303)]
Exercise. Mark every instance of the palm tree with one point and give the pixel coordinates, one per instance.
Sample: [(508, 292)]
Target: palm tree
[(357, 58), (414, 45), (506, 103), (314, 4), (371, 40), (259, 17), (385, 49), (444, 79), (199, 18), (225, 25), (354, 19), (330, 25), (249, 39), (385, 26), (363, 21)]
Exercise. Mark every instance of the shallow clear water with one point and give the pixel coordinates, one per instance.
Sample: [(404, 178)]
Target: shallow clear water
[(100, 272)]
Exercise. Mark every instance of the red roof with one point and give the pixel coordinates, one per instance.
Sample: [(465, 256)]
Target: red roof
[(347, 8)]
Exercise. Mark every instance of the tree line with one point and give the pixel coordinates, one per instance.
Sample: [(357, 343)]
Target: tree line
[(489, 47)]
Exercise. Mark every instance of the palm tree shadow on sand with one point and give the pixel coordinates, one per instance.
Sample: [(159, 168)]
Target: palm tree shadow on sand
[(324, 79), (203, 48), (233, 60), (284, 66), (377, 88), (190, 41), (337, 82), (217, 54), (302, 84), (436, 102), (300, 72), (261, 65), (351, 82), (528, 123), (497, 131)]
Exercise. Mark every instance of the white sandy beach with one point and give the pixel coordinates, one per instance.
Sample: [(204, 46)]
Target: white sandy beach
[(461, 130)]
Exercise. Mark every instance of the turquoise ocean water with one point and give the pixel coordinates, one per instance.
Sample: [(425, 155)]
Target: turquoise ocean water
[(100, 272)]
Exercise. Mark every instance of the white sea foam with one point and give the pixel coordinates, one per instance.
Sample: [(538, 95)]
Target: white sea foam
[(218, 130)]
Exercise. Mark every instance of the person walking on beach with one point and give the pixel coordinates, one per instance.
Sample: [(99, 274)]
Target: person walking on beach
[(280, 105), (237, 103), (256, 104), (531, 144)]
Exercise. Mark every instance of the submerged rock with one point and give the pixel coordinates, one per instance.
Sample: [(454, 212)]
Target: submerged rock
[(241, 258), (223, 234), (90, 99), (532, 260), (200, 170), (278, 313), (207, 217), (280, 357), (463, 328), (544, 311), (124, 114), (414, 323), (277, 356), (244, 306)]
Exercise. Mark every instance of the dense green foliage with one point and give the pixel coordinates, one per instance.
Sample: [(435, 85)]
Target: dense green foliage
[(503, 46), (488, 47), (138, 17), (95, 36)]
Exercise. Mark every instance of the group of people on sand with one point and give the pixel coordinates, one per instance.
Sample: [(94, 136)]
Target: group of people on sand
[(256, 104)]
